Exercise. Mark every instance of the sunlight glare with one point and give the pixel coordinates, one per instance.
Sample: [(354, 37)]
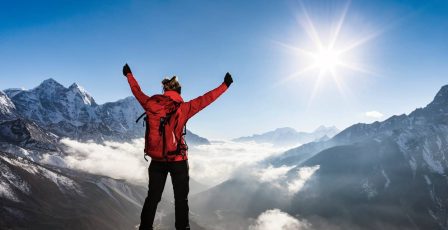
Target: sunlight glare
[(326, 59)]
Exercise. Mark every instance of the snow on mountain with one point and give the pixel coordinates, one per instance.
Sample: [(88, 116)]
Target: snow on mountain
[(51, 103), (121, 115), (72, 112), (7, 108), (290, 137)]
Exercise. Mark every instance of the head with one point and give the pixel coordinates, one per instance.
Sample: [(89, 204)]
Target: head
[(171, 84)]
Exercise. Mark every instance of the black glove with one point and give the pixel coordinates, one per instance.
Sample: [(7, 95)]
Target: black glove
[(228, 79), (126, 70)]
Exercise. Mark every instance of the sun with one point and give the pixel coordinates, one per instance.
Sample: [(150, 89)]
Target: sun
[(327, 57)]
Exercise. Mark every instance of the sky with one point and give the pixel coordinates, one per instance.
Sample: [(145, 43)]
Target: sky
[(398, 47)]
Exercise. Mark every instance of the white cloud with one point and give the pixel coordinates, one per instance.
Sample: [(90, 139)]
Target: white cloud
[(373, 114), (303, 175), (275, 219), (214, 163), (272, 174), (209, 164), (113, 159)]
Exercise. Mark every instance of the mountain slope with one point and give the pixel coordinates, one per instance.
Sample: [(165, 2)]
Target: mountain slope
[(391, 173), (7, 107), (36, 197)]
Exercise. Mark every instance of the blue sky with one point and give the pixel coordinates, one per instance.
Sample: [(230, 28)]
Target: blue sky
[(89, 41)]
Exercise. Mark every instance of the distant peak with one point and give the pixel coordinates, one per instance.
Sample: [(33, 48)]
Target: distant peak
[(75, 86), (50, 82), (78, 88), (285, 129), (441, 97), (324, 128)]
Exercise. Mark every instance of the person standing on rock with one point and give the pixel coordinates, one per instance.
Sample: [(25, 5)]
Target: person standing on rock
[(166, 117)]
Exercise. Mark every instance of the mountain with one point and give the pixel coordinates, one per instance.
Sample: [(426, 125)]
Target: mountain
[(384, 175), (72, 112), (31, 124), (7, 108), (196, 139), (290, 137), (34, 196), (21, 136)]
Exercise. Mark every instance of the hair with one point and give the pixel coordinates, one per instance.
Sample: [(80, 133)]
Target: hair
[(171, 84)]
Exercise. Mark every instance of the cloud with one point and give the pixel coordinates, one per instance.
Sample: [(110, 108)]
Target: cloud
[(303, 175), (275, 219), (113, 159), (217, 162), (373, 114), (209, 164), (272, 174)]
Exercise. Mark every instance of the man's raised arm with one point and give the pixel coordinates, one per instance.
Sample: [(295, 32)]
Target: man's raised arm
[(135, 88), (199, 103)]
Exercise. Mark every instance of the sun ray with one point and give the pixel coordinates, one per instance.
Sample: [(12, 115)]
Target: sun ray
[(294, 48), (315, 89), (310, 29), (328, 60), (296, 74), (358, 68), (360, 42), (339, 84), (340, 23)]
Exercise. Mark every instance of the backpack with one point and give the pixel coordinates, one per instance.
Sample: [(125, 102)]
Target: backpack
[(161, 140)]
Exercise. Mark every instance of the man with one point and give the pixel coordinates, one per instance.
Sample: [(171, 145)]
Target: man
[(167, 116)]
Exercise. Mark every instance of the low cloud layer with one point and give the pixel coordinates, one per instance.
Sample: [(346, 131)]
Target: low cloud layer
[(213, 164), (113, 159), (275, 219), (209, 164)]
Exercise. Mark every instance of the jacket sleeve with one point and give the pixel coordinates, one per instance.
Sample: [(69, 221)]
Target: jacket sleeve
[(199, 103), (136, 90)]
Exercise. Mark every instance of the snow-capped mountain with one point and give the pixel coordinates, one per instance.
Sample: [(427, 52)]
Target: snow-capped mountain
[(34, 196), (290, 137), (23, 137), (72, 112), (7, 108), (384, 175), (51, 103)]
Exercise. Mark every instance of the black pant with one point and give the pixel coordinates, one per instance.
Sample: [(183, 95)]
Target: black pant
[(158, 172)]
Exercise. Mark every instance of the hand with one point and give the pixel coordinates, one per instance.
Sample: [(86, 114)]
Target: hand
[(126, 70), (228, 79)]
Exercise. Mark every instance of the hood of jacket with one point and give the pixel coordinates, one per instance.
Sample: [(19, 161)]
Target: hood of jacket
[(175, 96)]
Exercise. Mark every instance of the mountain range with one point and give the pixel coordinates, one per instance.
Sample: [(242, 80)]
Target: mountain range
[(384, 175), (290, 137), (72, 112)]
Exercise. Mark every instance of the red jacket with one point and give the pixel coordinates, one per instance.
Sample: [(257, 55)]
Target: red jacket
[(185, 111)]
